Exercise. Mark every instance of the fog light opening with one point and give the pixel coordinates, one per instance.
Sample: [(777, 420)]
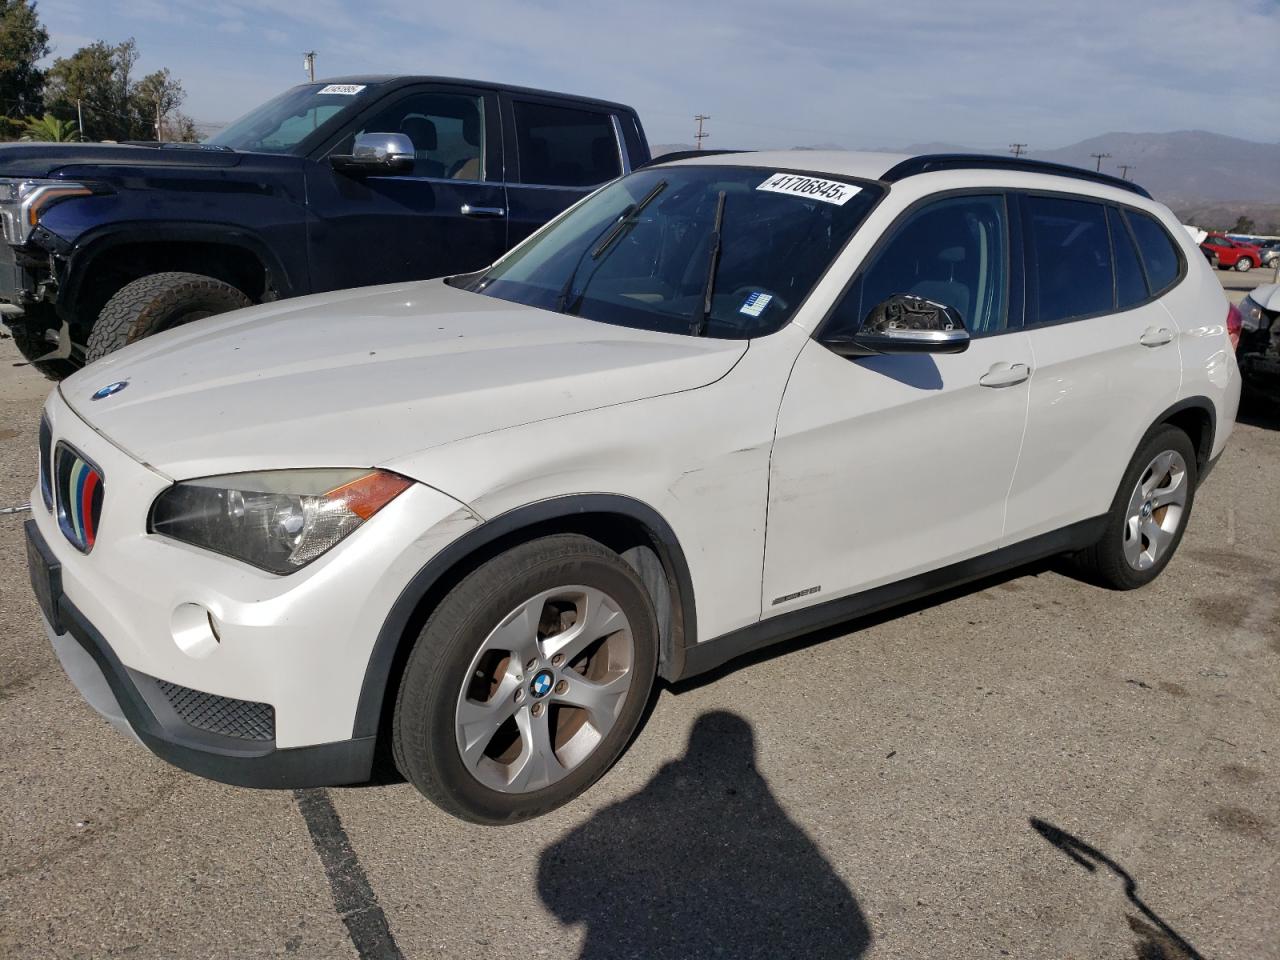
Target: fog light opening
[(195, 631)]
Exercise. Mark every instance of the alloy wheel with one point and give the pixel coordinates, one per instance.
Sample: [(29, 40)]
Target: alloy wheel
[(544, 689), (1156, 509)]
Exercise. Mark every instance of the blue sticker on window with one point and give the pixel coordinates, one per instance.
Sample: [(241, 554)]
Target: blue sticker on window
[(755, 303)]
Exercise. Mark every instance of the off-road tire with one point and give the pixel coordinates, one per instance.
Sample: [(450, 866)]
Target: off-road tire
[(423, 730), (159, 302), (1104, 562)]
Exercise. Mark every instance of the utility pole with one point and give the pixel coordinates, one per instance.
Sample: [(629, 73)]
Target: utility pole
[(159, 118), (1099, 157), (1124, 170), (309, 63), (80, 119), (700, 136), (1017, 149)]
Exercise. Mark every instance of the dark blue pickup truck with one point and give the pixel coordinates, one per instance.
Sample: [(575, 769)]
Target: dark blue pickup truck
[(342, 183)]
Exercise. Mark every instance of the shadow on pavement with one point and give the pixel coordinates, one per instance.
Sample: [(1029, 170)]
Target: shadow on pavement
[(702, 862), (1156, 939)]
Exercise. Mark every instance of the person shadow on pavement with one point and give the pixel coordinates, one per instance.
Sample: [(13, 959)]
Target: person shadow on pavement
[(703, 862)]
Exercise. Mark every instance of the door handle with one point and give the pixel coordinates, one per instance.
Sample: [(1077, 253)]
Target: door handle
[(467, 210), (1005, 374), (1156, 337)]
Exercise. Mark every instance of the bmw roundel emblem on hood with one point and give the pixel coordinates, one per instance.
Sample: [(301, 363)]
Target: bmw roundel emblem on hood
[(109, 389)]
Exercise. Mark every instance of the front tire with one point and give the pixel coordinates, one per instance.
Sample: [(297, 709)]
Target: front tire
[(1149, 513), (1244, 264), (159, 302), (527, 681)]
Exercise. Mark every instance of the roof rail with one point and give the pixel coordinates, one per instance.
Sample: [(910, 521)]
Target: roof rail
[(931, 162), (686, 154)]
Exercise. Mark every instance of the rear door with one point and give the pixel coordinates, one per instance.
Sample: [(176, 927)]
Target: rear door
[(1105, 352), (888, 466), (562, 151), (446, 216)]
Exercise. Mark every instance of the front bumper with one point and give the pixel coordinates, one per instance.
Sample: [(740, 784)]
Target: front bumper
[(137, 705)]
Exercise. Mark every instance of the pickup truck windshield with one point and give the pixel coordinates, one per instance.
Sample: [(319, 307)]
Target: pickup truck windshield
[(721, 251), (280, 125)]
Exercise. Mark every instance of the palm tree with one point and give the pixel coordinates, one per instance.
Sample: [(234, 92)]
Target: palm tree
[(49, 129)]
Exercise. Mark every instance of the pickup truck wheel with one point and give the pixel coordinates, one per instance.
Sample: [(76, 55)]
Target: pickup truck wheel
[(527, 681), (1244, 264), (159, 302)]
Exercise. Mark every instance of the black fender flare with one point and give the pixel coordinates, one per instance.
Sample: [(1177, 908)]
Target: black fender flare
[(391, 636), (88, 248), (1201, 404)]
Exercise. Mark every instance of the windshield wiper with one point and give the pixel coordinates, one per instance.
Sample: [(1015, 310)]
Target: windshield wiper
[(699, 325), (607, 238)]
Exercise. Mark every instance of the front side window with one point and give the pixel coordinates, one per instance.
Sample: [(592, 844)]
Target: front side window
[(561, 146), (953, 251), (718, 251), (1070, 255), (446, 129), (1159, 255)]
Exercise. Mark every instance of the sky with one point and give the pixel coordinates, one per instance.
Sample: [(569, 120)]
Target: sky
[(833, 72)]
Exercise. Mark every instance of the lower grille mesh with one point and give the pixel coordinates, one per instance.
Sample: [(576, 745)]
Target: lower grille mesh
[(242, 719)]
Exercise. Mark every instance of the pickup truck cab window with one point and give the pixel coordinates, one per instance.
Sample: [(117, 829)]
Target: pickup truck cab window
[(447, 131), (565, 146)]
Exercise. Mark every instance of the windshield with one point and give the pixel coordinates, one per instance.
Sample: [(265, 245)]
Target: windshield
[(720, 251), (280, 125)]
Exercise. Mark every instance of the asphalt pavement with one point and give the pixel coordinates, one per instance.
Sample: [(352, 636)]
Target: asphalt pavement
[(1031, 767)]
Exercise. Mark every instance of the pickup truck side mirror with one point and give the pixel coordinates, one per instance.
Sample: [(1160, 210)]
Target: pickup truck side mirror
[(905, 324), (376, 154)]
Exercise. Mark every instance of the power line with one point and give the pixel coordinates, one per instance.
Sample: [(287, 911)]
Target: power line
[(1017, 149), (700, 136), (1099, 157)]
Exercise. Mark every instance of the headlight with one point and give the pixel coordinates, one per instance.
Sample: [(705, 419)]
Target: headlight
[(1250, 314), (22, 201), (279, 520)]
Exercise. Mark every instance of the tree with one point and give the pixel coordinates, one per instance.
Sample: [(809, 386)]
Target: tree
[(1244, 224), (49, 129), (115, 106), (23, 42)]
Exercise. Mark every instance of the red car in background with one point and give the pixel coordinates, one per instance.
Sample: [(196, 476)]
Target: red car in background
[(1231, 254)]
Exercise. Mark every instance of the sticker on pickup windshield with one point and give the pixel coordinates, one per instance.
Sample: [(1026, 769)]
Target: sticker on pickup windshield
[(346, 89), (812, 188), (755, 303)]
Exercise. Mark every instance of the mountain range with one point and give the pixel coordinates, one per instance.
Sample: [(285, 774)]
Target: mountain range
[(1209, 177)]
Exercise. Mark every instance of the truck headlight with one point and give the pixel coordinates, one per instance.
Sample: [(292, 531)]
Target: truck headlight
[(278, 521), (22, 202)]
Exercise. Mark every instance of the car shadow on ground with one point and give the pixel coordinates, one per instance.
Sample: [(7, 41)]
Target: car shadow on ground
[(703, 862)]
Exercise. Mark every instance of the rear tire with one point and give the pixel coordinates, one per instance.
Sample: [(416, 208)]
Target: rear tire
[(1142, 529), (486, 721), (159, 302)]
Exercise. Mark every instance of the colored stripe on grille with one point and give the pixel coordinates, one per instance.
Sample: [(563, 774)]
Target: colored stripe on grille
[(79, 497)]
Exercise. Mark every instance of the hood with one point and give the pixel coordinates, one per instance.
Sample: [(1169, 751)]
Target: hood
[(44, 159), (365, 376)]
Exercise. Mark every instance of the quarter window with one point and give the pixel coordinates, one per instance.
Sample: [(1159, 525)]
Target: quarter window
[(1159, 255), (564, 147), (952, 251), (1131, 285), (1070, 253)]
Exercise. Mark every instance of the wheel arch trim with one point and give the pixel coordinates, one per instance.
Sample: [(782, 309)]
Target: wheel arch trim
[(1200, 404), (392, 635)]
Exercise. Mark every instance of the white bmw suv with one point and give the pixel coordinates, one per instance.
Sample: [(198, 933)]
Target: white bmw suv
[(722, 401)]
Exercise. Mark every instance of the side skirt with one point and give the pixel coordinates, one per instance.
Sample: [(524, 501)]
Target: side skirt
[(720, 650)]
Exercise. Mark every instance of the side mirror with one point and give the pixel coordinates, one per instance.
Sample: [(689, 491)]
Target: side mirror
[(376, 154), (905, 324)]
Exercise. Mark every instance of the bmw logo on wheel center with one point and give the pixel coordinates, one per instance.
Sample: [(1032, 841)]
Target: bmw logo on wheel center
[(109, 389), (541, 683)]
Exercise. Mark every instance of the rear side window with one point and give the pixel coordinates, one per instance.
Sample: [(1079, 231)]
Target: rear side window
[(1131, 285), (565, 147), (1159, 254), (1070, 251)]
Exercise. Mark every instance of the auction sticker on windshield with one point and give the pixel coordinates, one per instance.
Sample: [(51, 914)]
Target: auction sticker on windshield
[(346, 89), (812, 188)]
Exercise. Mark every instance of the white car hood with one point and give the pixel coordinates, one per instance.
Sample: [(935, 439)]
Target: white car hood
[(364, 376)]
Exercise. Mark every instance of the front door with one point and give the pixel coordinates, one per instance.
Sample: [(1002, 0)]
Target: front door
[(884, 467), (446, 216)]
